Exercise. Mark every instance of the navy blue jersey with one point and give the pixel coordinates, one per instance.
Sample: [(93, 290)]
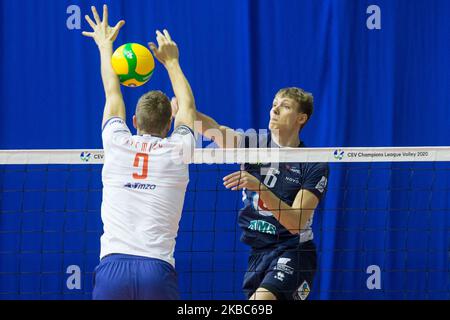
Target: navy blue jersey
[(285, 180)]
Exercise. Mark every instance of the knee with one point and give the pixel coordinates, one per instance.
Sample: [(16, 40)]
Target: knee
[(263, 294)]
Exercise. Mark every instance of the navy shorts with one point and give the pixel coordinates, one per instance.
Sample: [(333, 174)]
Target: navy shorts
[(286, 272), (127, 277)]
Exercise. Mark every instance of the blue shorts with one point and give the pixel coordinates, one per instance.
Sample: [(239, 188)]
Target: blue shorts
[(286, 272), (127, 277)]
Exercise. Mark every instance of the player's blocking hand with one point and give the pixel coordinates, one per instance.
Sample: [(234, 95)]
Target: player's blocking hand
[(242, 179), (167, 50), (103, 33)]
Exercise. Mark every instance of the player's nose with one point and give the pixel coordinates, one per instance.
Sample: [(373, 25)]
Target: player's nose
[(275, 110)]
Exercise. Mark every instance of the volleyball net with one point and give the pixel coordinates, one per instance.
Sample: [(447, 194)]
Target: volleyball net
[(382, 231)]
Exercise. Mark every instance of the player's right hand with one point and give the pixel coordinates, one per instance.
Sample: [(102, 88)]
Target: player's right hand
[(104, 35), (167, 50)]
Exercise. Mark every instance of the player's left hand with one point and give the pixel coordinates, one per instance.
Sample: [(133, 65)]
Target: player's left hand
[(103, 34), (167, 50), (242, 179)]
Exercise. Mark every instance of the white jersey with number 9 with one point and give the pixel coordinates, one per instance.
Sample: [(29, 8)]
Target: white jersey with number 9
[(144, 185)]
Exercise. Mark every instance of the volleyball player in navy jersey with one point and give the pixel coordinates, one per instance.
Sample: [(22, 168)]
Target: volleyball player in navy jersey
[(279, 201)]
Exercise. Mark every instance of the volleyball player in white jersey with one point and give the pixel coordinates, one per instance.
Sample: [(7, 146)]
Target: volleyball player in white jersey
[(144, 177)]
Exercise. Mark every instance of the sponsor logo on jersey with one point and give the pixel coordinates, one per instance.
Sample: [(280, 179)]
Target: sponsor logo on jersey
[(279, 276), (262, 226), (182, 130), (116, 121), (121, 130), (302, 291), (283, 267), (140, 186), (292, 180), (322, 184), (293, 169)]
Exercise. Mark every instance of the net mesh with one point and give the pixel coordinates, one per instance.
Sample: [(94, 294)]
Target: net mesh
[(381, 232)]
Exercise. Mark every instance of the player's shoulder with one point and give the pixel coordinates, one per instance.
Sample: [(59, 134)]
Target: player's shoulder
[(317, 167), (182, 130), (314, 166), (112, 122)]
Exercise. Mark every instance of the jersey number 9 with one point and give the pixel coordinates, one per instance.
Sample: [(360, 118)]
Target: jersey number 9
[(137, 163)]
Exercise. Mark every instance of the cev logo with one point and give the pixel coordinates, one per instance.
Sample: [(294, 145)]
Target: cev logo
[(85, 156), (339, 154)]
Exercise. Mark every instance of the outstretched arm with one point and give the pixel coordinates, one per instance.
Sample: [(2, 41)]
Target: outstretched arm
[(223, 136), (104, 37), (167, 53)]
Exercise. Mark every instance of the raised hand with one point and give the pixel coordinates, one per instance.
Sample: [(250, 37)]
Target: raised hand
[(103, 34), (242, 179), (167, 50)]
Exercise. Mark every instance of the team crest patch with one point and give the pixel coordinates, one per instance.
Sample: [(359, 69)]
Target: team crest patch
[(302, 291)]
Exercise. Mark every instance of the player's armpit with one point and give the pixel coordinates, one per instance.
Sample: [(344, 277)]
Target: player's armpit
[(223, 136)]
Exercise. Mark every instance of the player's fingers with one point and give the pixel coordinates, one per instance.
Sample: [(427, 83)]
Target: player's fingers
[(154, 49), (105, 14), (152, 46), (91, 23), (160, 37), (232, 184), (159, 40), (96, 16), (240, 186), (117, 28), (119, 25), (166, 33), (232, 175), (233, 181), (88, 34)]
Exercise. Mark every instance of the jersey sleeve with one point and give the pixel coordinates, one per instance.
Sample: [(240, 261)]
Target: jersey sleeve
[(316, 180), (184, 137), (114, 130)]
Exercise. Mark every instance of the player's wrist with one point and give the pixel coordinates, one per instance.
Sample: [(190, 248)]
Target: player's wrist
[(263, 189), (171, 64), (105, 45)]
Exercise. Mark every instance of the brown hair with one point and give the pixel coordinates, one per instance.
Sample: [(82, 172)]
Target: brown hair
[(153, 112), (305, 100)]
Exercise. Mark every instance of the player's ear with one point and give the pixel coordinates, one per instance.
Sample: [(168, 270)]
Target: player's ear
[(302, 119), (134, 122), (169, 125)]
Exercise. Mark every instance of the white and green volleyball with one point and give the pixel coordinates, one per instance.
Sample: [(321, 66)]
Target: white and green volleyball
[(134, 64)]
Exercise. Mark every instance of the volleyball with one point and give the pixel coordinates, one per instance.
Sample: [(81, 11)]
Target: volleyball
[(134, 64)]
